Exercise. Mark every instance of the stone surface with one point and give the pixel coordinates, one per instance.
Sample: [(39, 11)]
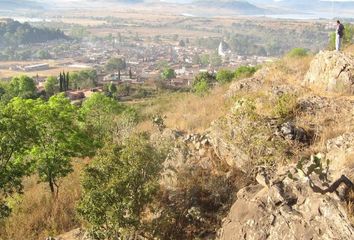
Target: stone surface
[(288, 209), (331, 71), (289, 131), (247, 84), (340, 151)]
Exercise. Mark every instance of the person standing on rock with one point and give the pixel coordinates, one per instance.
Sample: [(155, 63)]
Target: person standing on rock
[(339, 35)]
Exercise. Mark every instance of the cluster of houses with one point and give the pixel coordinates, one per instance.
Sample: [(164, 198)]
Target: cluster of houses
[(144, 60)]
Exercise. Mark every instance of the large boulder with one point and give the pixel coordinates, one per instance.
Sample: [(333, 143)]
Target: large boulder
[(287, 207), (331, 71)]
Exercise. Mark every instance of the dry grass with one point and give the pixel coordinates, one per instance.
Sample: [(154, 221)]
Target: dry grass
[(37, 215), (288, 70), (186, 111), (350, 206)]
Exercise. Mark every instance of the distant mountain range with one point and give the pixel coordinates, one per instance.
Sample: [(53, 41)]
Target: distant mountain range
[(18, 4), (305, 4), (246, 7), (243, 7)]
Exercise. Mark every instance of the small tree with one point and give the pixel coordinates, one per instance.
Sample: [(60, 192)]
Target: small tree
[(23, 86), (99, 112), (51, 86), (59, 138), (168, 74), (116, 64), (117, 186)]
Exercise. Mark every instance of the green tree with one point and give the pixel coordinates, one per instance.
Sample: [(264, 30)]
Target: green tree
[(99, 113), (17, 131), (224, 76), (82, 79), (168, 74), (23, 86), (51, 86), (116, 64), (59, 139), (118, 185), (43, 54)]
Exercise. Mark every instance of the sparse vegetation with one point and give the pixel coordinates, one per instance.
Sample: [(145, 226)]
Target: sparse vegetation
[(298, 52), (285, 106)]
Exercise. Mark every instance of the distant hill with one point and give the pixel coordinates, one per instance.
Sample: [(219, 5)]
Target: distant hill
[(18, 4), (307, 5), (239, 6), (14, 33)]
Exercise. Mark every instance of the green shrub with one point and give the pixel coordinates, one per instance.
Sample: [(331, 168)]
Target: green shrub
[(202, 82), (244, 72), (298, 52), (224, 76), (117, 186), (201, 88), (285, 105)]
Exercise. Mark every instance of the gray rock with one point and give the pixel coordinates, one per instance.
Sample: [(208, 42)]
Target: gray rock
[(289, 210), (331, 71), (289, 131)]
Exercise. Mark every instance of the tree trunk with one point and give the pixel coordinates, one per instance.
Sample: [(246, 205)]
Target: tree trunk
[(118, 75), (51, 185)]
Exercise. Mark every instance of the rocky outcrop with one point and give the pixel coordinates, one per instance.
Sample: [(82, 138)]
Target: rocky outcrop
[(190, 152), (247, 85), (292, 206), (331, 71), (340, 151)]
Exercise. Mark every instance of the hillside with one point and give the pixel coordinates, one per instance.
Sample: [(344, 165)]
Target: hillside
[(14, 33), (273, 158)]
